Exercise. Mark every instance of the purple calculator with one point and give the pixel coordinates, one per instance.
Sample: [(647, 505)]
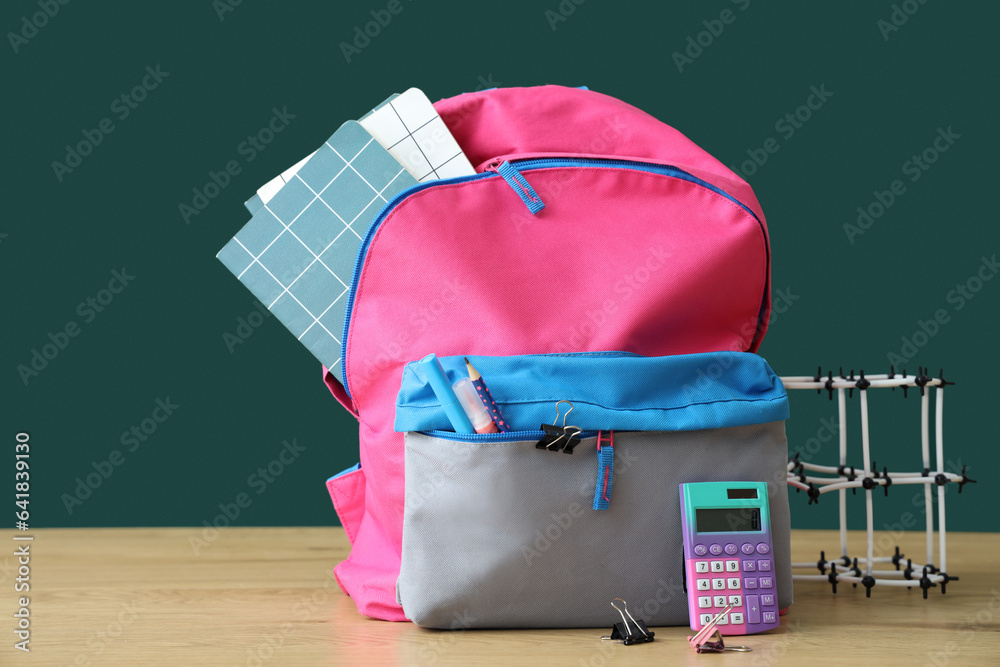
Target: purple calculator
[(727, 556)]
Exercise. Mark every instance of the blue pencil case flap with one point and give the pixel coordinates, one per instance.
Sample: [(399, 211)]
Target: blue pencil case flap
[(610, 390)]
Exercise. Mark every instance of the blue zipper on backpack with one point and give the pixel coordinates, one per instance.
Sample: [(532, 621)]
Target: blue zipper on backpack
[(506, 436), (524, 165), (527, 194)]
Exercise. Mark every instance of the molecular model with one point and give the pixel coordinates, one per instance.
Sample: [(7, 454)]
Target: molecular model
[(817, 480)]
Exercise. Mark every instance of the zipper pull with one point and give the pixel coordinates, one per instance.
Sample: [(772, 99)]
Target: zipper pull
[(518, 184), (605, 469)]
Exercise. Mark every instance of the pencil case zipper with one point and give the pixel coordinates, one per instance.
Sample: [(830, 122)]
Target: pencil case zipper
[(501, 168), (506, 436)]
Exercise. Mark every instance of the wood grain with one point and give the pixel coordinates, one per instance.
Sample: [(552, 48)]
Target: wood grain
[(265, 596)]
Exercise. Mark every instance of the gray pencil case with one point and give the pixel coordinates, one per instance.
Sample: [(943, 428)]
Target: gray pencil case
[(498, 533)]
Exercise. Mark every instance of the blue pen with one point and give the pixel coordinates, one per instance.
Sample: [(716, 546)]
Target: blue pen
[(435, 376)]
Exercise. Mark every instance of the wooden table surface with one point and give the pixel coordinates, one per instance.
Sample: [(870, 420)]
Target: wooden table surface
[(265, 596)]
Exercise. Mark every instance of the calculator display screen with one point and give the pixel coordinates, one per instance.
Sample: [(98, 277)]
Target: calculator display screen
[(742, 520)]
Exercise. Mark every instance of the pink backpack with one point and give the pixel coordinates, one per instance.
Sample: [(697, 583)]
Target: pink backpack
[(590, 226)]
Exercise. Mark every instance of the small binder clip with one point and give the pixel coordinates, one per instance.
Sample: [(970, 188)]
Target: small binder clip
[(706, 642), (560, 437), (637, 633), (716, 645)]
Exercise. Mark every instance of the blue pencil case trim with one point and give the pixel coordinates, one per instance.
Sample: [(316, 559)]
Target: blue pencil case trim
[(610, 391)]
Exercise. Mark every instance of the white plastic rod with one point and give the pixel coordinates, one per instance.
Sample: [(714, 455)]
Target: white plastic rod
[(925, 443), (897, 478), (847, 579), (889, 573), (833, 471), (865, 449), (842, 425), (822, 380), (917, 567), (866, 452), (939, 446), (875, 380), (818, 468), (859, 483), (792, 481)]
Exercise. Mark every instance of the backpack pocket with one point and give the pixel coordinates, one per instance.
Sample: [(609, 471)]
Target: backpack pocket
[(500, 533), (347, 491)]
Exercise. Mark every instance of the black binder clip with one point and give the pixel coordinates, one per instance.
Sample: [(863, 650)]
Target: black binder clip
[(563, 437), (637, 633)]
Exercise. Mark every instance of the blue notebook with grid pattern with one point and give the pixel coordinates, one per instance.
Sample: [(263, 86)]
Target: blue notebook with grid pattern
[(297, 253)]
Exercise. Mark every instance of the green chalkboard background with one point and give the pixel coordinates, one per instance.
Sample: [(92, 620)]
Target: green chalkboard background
[(892, 83)]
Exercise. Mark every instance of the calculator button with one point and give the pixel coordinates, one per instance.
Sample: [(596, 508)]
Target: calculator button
[(732, 566), (769, 617), (767, 600), (717, 566), (736, 600), (763, 548), (700, 549), (736, 618), (715, 549), (724, 620), (704, 584), (701, 566), (749, 582), (719, 601), (734, 583), (719, 584), (705, 601), (764, 565), (765, 582), (749, 566), (753, 609), (731, 549), (747, 548), (707, 618)]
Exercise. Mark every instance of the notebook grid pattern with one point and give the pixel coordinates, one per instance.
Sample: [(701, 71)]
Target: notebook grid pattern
[(297, 252), (418, 138), (292, 253)]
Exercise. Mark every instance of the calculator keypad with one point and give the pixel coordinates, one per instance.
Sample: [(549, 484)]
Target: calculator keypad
[(750, 571)]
